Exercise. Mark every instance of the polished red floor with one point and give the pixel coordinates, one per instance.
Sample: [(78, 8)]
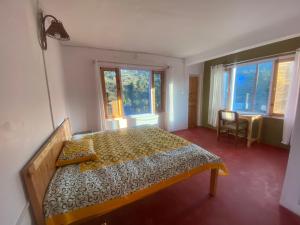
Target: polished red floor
[(248, 196)]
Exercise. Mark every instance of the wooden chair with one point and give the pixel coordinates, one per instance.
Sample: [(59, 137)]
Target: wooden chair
[(230, 123)]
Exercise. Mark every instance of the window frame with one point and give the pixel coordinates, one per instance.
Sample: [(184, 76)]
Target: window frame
[(162, 91), (273, 82), (274, 85), (117, 70), (119, 92)]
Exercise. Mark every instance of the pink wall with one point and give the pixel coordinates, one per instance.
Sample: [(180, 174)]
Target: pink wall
[(25, 121), (54, 66)]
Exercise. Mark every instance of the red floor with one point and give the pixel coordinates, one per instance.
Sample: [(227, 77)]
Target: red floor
[(248, 196)]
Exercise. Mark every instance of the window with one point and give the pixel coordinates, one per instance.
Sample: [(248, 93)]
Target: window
[(244, 88), (157, 85), (282, 78), (262, 92), (111, 92), (259, 87), (136, 94), (132, 91)]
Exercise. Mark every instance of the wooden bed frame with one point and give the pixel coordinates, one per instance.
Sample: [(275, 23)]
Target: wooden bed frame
[(39, 171)]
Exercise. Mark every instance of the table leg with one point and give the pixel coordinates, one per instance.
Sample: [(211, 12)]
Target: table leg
[(259, 130)]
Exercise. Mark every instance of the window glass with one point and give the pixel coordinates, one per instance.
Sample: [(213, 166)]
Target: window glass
[(264, 77), (158, 86), (111, 93), (136, 91), (282, 86), (244, 88)]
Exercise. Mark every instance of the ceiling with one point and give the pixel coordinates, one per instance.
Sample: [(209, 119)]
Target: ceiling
[(192, 29)]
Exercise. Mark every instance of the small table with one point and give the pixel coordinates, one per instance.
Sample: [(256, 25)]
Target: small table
[(251, 118)]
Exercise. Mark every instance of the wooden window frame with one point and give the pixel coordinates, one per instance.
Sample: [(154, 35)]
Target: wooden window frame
[(274, 85), (162, 91), (119, 92)]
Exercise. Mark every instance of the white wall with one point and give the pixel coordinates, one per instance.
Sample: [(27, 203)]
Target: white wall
[(290, 196), (195, 69), (25, 121), (81, 85), (54, 69)]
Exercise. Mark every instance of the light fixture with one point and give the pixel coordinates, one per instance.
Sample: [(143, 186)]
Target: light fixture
[(55, 30)]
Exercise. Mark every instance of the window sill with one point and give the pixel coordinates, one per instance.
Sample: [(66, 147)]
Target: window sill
[(273, 117), (263, 115), (146, 115), (142, 115)]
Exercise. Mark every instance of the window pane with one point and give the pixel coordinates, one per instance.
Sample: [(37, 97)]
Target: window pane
[(244, 88), (111, 93), (136, 91), (282, 86), (264, 76), (157, 86)]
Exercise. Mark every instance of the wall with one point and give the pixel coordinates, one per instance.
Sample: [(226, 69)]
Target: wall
[(25, 119), (272, 127), (290, 196), (54, 69), (81, 85), (195, 69)]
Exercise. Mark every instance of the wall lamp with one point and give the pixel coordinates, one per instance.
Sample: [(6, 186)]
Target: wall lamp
[(55, 30)]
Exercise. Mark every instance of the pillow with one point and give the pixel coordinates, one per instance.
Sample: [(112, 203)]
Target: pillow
[(76, 151)]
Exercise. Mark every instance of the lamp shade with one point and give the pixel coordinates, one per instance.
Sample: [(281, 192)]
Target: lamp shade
[(56, 30)]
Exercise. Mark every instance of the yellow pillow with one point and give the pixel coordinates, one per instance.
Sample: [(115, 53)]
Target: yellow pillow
[(76, 151)]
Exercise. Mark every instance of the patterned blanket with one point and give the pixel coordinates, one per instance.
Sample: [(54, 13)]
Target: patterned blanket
[(129, 160)]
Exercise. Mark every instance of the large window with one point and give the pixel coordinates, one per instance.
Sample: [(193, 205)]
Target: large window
[(259, 87), (136, 93), (132, 91)]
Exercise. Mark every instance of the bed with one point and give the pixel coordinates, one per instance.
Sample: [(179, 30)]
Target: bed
[(132, 163)]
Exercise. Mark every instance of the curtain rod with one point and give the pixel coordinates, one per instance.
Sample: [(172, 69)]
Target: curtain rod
[(133, 65), (261, 58)]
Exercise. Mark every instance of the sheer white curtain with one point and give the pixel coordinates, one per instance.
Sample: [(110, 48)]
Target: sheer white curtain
[(215, 93), (101, 110), (291, 105)]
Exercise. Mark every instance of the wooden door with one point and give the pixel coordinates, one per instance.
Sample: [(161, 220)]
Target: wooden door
[(193, 100)]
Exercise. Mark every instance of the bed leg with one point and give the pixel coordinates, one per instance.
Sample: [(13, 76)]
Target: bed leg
[(213, 182)]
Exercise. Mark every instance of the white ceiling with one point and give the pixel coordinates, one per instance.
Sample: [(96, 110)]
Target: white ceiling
[(196, 29)]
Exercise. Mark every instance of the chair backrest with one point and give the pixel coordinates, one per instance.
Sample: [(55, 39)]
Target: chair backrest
[(228, 116)]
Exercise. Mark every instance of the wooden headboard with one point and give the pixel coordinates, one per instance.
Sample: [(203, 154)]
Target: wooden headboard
[(39, 170)]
